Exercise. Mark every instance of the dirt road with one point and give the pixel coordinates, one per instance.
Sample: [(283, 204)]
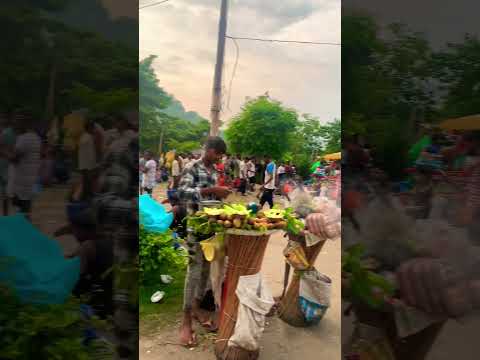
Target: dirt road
[(280, 341)]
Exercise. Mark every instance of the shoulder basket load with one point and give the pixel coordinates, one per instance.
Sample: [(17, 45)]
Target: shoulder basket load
[(245, 251), (237, 233), (308, 295)]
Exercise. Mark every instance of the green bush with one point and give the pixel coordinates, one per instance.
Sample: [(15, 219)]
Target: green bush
[(44, 332), (158, 256)]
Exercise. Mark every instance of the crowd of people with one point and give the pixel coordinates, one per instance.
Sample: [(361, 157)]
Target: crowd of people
[(238, 173), (100, 172)]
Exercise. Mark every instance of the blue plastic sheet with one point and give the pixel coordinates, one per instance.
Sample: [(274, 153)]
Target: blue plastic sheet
[(153, 215), (33, 264)]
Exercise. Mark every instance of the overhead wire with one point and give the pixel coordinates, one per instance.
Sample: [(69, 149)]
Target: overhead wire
[(153, 4), (284, 41), (237, 56)]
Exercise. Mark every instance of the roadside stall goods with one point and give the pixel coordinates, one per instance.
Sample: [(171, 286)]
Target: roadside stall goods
[(308, 296), (385, 258), (238, 237)]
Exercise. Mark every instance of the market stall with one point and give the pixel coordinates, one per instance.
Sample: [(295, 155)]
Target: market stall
[(333, 157), (238, 242)]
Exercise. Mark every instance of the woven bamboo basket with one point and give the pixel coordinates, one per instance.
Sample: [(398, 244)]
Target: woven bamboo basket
[(245, 252), (289, 308)]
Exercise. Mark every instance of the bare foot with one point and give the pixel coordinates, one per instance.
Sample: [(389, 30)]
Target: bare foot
[(201, 315), (187, 336)]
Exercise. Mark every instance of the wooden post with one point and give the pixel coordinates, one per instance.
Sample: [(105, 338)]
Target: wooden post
[(217, 81)]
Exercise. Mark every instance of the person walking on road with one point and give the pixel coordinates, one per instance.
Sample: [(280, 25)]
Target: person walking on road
[(176, 171), (7, 143), (26, 159), (268, 187), (150, 172), (251, 174), (243, 176)]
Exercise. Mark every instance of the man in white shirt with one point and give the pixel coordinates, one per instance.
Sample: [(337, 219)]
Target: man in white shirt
[(120, 137), (87, 154), (242, 166), (26, 160), (269, 183), (281, 174), (150, 172), (251, 174), (175, 172)]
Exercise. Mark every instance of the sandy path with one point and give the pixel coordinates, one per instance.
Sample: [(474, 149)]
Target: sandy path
[(280, 341)]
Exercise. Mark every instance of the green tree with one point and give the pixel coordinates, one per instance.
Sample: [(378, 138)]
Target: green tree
[(456, 67), (263, 127), (331, 133), (384, 80), (156, 125)]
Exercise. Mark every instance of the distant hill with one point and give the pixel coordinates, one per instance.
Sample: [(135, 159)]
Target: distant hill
[(91, 15), (176, 109)]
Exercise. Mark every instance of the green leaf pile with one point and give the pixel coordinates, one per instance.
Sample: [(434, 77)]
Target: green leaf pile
[(157, 255), (364, 283)]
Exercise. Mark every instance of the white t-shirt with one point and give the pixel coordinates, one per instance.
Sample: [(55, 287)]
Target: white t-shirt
[(118, 142), (27, 169), (175, 168), (250, 169), (150, 175), (243, 169), (281, 170), (87, 157), (270, 173)]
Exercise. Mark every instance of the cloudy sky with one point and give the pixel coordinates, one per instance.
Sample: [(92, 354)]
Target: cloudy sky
[(441, 22), (183, 33)]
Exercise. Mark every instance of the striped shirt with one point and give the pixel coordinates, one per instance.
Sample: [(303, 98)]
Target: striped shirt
[(193, 179)]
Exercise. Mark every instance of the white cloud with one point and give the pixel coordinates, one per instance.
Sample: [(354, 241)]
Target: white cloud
[(183, 33)]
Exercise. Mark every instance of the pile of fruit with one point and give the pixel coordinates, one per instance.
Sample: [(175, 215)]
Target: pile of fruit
[(238, 216)]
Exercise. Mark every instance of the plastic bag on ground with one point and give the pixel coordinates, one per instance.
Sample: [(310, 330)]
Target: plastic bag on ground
[(314, 295), (256, 302), (153, 215)]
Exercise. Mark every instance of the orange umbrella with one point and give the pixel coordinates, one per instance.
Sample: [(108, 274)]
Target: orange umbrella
[(471, 122)]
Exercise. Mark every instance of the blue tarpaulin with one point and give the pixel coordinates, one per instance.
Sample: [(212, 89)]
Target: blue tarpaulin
[(33, 264), (153, 216)]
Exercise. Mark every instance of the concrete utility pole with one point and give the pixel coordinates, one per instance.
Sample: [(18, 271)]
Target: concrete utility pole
[(217, 81)]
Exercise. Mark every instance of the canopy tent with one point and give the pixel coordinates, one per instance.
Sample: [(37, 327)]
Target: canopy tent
[(333, 157), (471, 122)]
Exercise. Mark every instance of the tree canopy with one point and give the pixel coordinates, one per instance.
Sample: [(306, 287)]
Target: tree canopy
[(266, 127), (99, 74), (263, 127), (390, 81), (158, 126)]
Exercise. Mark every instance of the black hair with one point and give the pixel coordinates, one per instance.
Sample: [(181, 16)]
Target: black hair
[(216, 143)]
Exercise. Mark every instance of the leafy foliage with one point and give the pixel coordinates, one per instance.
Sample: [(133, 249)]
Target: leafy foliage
[(43, 332), (35, 45), (158, 124), (365, 286), (158, 256), (457, 69), (264, 127), (311, 139)]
